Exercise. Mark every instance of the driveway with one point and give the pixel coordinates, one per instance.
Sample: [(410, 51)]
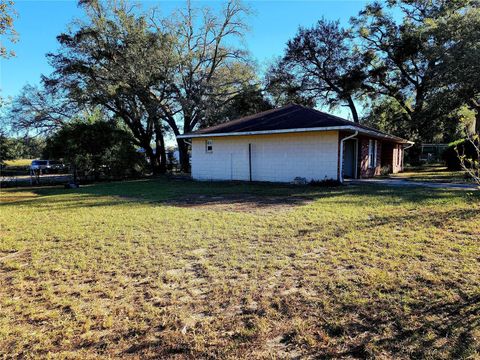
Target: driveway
[(402, 182)]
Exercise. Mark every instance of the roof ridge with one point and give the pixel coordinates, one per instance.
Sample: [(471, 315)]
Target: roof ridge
[(248, 117)]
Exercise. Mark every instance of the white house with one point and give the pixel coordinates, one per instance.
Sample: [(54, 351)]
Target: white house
[(293, 141)]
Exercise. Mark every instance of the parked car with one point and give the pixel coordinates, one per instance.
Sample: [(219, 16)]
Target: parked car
[(47, 166)]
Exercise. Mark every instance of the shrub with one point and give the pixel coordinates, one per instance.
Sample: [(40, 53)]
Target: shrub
[(412, 156), (471, 164), (385, 170), (5, 149), (450, 155), (96, 149)]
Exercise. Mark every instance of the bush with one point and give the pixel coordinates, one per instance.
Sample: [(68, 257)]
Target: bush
[(96, 149), (385, 170), (450, 155)]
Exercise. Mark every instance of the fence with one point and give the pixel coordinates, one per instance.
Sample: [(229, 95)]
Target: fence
[(432, 153)]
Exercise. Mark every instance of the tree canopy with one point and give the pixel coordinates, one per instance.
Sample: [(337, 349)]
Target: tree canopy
[(154, 73), (320, 64), (413, 74), (7, 27), (411, 61), (95, 147)]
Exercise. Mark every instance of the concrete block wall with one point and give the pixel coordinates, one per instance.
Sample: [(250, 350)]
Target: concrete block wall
[(276, 157)]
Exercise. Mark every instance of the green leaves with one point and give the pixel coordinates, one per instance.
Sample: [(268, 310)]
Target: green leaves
[(319, 66), (7, 29)]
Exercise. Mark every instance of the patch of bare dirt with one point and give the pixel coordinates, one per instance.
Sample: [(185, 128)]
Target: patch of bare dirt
[(240, 202)]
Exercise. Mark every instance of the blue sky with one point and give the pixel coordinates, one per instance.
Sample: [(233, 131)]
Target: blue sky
[(271, 25)]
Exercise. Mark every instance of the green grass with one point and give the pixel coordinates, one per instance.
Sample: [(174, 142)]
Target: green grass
[(432, 173), (174, 269)]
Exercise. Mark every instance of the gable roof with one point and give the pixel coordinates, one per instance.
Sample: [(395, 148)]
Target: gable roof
[(288, 119)]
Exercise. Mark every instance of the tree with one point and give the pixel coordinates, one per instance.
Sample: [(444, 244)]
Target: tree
[(403, 60), (27, 147), (154, 72), (95, 147), (385, 114), (5, 149), (320, 64), (459, 33), (285, 88), (115, 61), (40, 111), (209, 70), (7, 30), (249, 101)]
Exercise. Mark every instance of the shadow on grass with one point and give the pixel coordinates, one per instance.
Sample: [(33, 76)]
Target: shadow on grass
[(455, 321), (450, 327), (185, 193)]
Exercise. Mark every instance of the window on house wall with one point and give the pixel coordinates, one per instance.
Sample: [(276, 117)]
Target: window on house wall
[(372, 153), (209, 146)]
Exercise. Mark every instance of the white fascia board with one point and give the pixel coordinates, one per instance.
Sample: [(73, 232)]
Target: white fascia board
[(298, 130), (266, 132), (383, 136)]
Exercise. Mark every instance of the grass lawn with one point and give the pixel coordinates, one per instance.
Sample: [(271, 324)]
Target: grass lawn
[(432, 173), (18, 163), (172, 269)]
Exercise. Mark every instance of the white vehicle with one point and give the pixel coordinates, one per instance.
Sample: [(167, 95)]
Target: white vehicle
[(47, 166)]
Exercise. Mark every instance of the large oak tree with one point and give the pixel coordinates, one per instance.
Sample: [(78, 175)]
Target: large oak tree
[(319, 66), (210, 67), (114, 60), (157, 74), (408, 60)]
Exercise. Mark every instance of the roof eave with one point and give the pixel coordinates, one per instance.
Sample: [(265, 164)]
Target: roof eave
[(299, 130)]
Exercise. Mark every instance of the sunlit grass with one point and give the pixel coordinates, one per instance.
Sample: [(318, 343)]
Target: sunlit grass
[(159, 269), (18, 163), (433, 174)]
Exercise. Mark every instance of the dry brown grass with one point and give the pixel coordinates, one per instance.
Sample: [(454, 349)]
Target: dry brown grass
[(159, 269)]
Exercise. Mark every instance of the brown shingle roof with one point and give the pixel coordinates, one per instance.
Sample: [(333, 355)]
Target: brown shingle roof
[(290, 117)]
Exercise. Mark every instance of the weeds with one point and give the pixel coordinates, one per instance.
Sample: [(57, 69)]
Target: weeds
[(175, 269)]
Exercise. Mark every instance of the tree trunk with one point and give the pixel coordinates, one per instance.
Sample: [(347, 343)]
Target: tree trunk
[(160, 147), (154, 160), (475, 106), (183, 154), (163, 155), (353, 109), (75, 175)]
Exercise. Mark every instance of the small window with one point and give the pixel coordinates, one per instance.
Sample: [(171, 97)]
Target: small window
[(372, 154), (209, 146)]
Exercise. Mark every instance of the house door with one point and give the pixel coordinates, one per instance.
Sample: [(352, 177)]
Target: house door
[(349, 159)]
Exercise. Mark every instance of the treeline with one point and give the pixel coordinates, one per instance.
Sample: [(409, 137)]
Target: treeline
[(20, 147), (403, 66)]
